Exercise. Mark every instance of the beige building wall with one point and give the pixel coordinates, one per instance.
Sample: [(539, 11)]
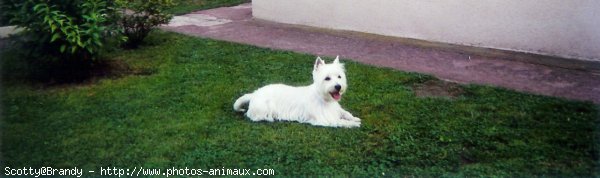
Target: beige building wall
[(564, 28)]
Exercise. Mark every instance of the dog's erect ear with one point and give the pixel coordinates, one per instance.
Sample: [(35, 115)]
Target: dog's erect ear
[(318, 63), (337, 60)]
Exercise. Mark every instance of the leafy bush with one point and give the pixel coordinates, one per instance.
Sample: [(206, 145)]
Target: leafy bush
[(140, 16), (65, 28), (61, 39), (3, 19)]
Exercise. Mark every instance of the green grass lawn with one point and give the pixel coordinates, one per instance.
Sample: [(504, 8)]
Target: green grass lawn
[(187, 6), (180, 115)]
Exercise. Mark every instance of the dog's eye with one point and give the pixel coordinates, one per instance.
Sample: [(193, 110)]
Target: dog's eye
[(327, 78), (339, 76)]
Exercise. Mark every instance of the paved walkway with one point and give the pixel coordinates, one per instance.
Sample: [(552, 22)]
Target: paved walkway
[(7, 30), (237, 25)]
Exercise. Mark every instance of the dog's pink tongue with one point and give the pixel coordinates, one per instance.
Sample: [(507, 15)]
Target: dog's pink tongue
[(336, 96)]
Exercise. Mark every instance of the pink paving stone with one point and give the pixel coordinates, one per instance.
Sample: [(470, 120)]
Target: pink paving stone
[(453, 65)]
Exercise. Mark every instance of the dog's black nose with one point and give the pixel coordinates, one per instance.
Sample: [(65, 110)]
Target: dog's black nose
[(338, 87)]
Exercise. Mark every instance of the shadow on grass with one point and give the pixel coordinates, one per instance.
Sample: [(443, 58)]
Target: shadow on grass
[(18, 67)]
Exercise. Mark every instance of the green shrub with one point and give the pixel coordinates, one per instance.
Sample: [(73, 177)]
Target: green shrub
[(61, 39), (70, 29), (3, 19), (140, 16)]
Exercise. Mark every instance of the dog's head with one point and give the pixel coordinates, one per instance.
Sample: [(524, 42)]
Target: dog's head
[(330, 79)]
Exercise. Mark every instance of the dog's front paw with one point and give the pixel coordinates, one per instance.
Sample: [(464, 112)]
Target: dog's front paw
[(351, 125), (355, 124), (347, 124), (349, 117), (355, 119), (352, 118)]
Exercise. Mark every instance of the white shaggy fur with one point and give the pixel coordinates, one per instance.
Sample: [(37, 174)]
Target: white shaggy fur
[(316, 104)]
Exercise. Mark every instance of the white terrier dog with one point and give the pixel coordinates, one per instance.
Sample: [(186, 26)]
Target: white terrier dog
[(316, 104)]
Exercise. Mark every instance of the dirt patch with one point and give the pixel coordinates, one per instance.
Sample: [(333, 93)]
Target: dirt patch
[(98, 70), (465, 159), (17, 68), (117, 68), (4, 43), (437, 88), (67, 73)]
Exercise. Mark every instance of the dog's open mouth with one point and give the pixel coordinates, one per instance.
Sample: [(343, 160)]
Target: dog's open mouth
[(336, 95)]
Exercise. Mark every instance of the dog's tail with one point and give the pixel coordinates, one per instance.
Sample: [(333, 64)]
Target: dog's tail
[(240, 102)]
